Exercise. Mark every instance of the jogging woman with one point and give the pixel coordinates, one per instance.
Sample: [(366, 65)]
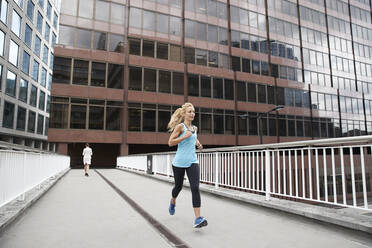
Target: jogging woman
[(184, 134)]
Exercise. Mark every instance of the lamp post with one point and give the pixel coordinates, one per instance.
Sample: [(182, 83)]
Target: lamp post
[(276, 108)]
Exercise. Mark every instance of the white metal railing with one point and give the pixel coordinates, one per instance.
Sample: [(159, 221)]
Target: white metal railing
[(22, 171), (333, 171)]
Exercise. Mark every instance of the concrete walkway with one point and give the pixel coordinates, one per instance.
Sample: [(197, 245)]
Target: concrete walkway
[(87, 212)]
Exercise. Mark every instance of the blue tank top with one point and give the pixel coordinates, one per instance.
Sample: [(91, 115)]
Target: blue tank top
[(186, 154)]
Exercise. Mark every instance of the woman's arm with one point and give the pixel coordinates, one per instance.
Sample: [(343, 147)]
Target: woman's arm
[(173, 140), (197, 143)]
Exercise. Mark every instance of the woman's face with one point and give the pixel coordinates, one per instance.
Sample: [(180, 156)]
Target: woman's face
[(190, 113)]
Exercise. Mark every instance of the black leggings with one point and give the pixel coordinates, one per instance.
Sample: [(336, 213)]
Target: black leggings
[(193, 175)]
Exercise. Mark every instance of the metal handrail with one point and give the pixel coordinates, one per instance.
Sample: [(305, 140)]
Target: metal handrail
[(303, 143)]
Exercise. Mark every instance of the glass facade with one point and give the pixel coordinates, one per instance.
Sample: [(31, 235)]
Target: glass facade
[(25, 68), (238, 58)]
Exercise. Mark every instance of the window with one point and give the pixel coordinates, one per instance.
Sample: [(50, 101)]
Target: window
[(100, 41), (4, 11), (86, 8), (66, 35), (45, 54), (26, 62), (117, 13), (33, 96), (161, 51), (205, 86), (178, 83), (47, 32), (103, 13), (59, 113), (193, 81), (134, 46), (55, 20), (13, 53), (218, 88), (116, 43), (135, 78), (30, 10), (11, 84), (42, 100), (149, 82), (80, 72), (8, 115), (78, 116), (2, 43), (40, 124), (113, 117), (35, 71), (96, 117), (135, 18), (62, 70), (39, 22), (49, 10), (54, 39), (115, 76), (28, 35), (21, 119), (165, 81), (43, 76), (16, 23), (162, 23), (37, 46), (31, 121), (148, 20), (83, 38), (175, 26), (23, 90), (148, 49), (229, 89), (98, 74), (148, 118)]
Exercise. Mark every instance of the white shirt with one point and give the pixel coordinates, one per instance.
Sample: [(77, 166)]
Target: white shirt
[(87, 152)]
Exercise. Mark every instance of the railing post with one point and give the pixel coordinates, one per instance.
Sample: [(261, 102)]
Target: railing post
[(268, 174), (217, 168), (24, 175), (168, 165)]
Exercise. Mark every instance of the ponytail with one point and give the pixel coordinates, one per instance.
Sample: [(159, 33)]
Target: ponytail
[(178, 116)]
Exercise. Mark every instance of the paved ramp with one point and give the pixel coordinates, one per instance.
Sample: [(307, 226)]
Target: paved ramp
[(88, 212)]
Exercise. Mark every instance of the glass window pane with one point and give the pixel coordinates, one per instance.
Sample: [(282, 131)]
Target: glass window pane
[(162, 23), (23, 90), (8, 115), (134, 46), (98, 74), (117, 13), (115, 76), (100, 41), (149, 20), (135, 18), (31, 121), (83, 38), (21, 119), (80, 72), (78, 116), (11, 84), (16, 23), (178, 83), (96, 115), (135, 78), (61, 70), (33, 96), (66, 35), (116, 43), (148, 49), (86, 8), (161, 51), (205, 86), (165, 81), (149, 83), (148, 120), (13, 53)]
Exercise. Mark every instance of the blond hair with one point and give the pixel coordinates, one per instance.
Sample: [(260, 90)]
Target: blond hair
[(178, 116)]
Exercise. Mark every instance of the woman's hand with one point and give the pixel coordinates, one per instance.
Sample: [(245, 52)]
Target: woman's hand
[(187, 134), (200, 146)]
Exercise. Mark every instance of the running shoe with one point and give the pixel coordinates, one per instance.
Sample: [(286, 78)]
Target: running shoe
[(172, 208), (200, 222)]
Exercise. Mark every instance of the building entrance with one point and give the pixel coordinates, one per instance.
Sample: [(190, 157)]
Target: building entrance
[(104, 155)]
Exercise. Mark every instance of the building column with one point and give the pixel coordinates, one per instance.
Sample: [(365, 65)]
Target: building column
[(62, 148), (124, 149)]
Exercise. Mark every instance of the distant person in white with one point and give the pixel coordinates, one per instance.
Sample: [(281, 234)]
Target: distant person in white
[(87, 156)]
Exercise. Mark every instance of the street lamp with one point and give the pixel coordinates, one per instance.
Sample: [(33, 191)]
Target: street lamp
[(276, 108)]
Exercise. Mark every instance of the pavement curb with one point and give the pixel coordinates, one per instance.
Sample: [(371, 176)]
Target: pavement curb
[(357, 220), (14, 209)]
